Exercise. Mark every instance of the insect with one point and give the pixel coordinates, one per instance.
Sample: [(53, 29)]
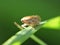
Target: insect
[(30, 21)]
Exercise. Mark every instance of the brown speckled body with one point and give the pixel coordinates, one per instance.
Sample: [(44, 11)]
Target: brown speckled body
[(31, 20)]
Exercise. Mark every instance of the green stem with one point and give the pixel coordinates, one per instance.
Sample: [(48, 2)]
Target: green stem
[(23, 35), (38, 40)]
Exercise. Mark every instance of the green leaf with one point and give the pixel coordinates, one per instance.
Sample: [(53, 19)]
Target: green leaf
[(20, 36), (53, 23), (23, 35)]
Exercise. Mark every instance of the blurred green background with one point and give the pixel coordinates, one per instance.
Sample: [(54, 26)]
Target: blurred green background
[(14, 10)]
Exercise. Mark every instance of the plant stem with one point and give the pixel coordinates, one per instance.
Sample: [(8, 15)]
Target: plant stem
[(38, 40)]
